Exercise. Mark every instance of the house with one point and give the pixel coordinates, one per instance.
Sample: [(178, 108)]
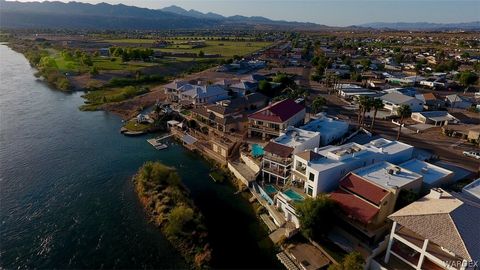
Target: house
[(393, 101), (202, 94), (472, 190), (229, 115), (272, 120), (105, 52), (330, 129), (172, 89), (435, 83), (436, 118), (298, 139), (438, 231), (458, 102), (367, 196), (433, 176), (430, 101), (463, 131), (243, 88), (276, 163), (407, 91), (405, 81), (320, 170)]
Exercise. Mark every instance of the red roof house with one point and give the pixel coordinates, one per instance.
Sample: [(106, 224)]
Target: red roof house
[(278, 112)]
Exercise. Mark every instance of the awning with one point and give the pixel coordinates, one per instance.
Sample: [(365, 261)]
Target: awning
[(188, 139)]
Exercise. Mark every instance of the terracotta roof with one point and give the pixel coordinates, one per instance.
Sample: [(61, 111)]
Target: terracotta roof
[(354, 207), (278, 149), (429, 96), (278, 112), (363, 188), (309, 155)]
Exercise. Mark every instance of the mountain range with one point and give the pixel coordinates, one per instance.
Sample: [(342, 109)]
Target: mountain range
[(423, 26), (103, 16), (77, 15)]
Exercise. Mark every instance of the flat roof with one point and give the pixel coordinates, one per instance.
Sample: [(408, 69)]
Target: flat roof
[(387, 146), (334, 156), (431, 173), (326, 126), (378, 173), (473, 188), (294, 137)]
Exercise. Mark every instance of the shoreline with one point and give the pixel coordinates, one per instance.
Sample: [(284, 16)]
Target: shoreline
[(167, 204), (129, 108)]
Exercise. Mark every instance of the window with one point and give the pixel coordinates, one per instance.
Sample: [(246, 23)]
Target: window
[(311, 177), (310, 191), (259, 123)]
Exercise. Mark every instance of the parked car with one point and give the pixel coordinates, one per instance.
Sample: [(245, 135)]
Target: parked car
[(473, 154)]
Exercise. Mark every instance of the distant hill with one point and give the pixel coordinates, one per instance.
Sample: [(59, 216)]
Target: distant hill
[(87, 16), (76, 15), (193, 13), (423, 26)]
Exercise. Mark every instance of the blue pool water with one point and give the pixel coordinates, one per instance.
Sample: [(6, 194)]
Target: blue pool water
[(270, 189), (257, 150), (293, 195)]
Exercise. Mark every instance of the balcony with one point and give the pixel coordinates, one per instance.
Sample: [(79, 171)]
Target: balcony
[(301, 169), (280, 160), (284, 173), (264, 129)]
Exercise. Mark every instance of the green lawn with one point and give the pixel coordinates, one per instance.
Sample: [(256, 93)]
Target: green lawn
[(132, 125), (102, 63), (227, 48), (131, 41)]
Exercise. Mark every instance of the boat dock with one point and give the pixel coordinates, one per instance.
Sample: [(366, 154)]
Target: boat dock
[(157, 142)]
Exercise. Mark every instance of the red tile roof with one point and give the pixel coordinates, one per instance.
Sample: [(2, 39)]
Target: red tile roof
[(354, 207), (278, 149), (278, 112), (363, 188)]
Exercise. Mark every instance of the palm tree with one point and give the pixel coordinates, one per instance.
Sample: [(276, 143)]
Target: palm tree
[(318, 104), (377, 104), (403, 111), (364, 105)]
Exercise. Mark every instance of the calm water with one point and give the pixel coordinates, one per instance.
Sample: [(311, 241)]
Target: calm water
[(66, 199)]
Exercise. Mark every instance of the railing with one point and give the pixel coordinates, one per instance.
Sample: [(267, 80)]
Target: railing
[(301, 170), (280, 172), (264, 128), (284, 161)]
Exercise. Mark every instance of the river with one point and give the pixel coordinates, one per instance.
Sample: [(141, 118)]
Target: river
[(66, 196)]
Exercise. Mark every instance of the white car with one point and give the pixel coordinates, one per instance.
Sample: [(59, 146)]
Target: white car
[(473, 154)]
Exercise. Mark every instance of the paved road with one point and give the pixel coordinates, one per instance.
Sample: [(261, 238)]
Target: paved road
[(444, 148)]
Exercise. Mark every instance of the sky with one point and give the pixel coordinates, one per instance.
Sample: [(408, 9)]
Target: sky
[(328, 12)]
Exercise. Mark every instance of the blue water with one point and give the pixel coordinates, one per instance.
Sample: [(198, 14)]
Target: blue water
[(66, 196), (257, 150), (270, 189), (293, 195)]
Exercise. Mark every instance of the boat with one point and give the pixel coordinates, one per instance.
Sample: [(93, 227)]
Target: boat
[(161, 146)]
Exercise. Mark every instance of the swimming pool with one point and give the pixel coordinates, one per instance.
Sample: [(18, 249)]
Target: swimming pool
[(270, 189), (257, 150), (293, 195)]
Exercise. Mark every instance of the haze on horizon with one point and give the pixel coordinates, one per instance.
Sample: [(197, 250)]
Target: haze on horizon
[(328, 12)]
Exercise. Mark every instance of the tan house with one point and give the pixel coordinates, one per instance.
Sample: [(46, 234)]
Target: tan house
[(439, 231)]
